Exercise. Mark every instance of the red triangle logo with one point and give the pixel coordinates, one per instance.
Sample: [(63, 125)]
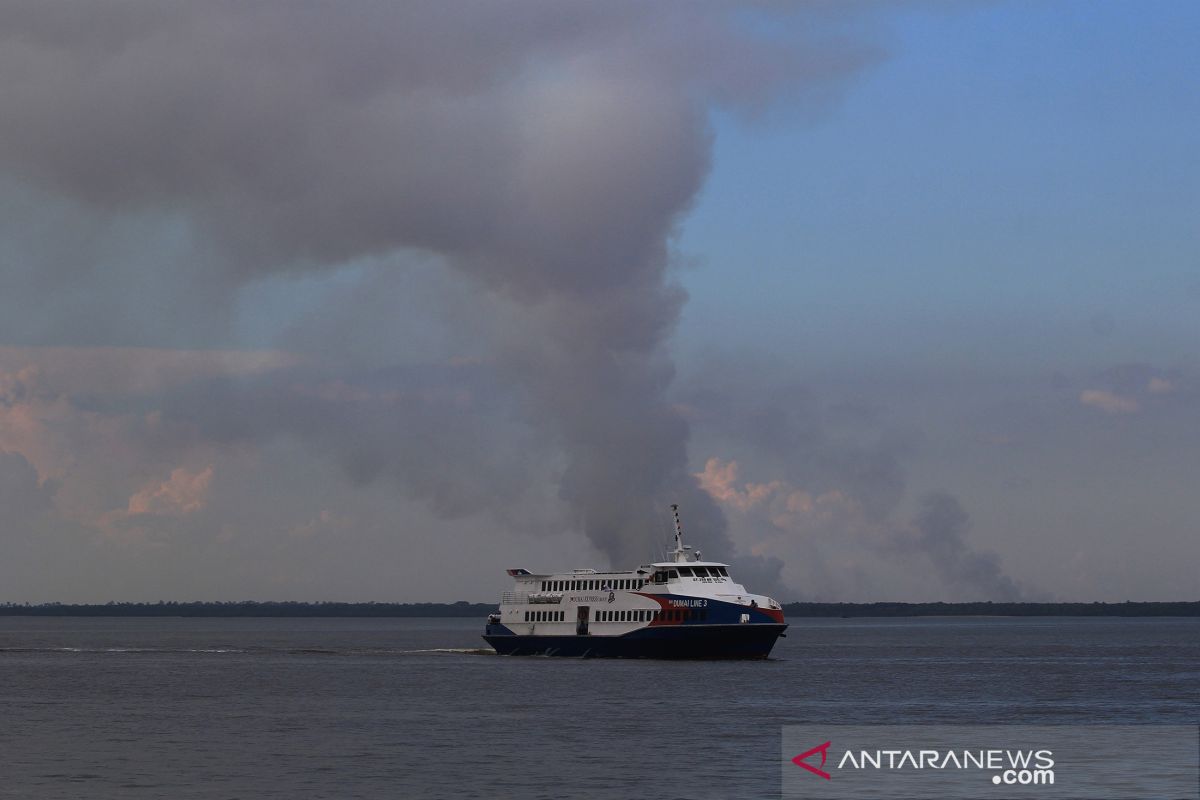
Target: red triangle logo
[(800, 762)]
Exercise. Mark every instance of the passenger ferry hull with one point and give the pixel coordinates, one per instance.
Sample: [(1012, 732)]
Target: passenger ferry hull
[(665, 642)]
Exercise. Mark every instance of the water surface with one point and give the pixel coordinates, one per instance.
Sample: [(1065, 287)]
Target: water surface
[(413, 708)]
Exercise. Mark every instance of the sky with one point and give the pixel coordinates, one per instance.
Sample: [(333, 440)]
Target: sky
[(314, 301)]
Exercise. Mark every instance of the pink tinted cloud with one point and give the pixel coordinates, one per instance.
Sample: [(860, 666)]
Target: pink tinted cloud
[(1109, 402), (135, 370), (720, 480), (184, 492)]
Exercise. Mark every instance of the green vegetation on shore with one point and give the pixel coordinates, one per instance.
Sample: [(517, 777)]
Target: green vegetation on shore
[(465, 609)]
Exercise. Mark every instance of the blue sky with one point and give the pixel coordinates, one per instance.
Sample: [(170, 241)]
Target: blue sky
[(1001, 176)]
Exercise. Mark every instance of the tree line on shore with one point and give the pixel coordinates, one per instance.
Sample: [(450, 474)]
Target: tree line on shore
[(462, 608)]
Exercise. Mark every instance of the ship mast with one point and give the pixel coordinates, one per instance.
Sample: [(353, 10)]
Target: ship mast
[(680, 553)]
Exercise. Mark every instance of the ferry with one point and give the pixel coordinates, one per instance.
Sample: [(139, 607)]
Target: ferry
[(681, 608)]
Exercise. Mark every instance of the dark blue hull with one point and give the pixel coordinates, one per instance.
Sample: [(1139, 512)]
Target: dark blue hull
[(667, 641)]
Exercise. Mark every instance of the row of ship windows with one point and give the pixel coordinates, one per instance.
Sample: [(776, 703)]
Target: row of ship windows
[(592, 586), (628, 615)]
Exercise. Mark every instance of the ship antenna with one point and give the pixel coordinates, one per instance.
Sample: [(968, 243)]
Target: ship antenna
[(680, 551)]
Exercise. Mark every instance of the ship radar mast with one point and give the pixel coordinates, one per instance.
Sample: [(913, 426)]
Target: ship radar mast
[(680, 553)]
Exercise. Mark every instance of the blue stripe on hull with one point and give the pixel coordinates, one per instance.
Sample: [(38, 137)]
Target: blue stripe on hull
[(667, 641)]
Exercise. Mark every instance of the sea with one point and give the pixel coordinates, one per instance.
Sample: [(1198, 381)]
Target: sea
[(103, 708)]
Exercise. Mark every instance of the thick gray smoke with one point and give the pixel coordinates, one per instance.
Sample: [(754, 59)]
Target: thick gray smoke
[(804, 443), (545, 150), (940, 532)]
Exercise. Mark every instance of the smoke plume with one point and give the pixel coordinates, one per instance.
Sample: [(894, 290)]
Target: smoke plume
[(544, 151)]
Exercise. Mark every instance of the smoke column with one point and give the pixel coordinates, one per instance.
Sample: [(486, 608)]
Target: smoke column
[(545, 150)]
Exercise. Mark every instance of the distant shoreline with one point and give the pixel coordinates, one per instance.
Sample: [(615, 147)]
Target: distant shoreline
[(465, 609)]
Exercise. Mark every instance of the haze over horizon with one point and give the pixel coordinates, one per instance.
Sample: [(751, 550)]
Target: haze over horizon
[(371, 302)]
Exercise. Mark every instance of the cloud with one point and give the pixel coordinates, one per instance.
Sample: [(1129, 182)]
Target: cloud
[(22, 496), (1159, 385), (184, 492), (1109, 402), (719, 481)]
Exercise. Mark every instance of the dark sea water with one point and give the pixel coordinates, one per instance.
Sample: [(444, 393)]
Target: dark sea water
[(413, 708)]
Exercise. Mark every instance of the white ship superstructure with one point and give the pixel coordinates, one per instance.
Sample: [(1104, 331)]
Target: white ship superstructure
[(681, 608)]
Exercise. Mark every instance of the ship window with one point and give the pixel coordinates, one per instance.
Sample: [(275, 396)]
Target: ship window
[(723, 571), (672, 575), (685, 572), (660, 577)]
